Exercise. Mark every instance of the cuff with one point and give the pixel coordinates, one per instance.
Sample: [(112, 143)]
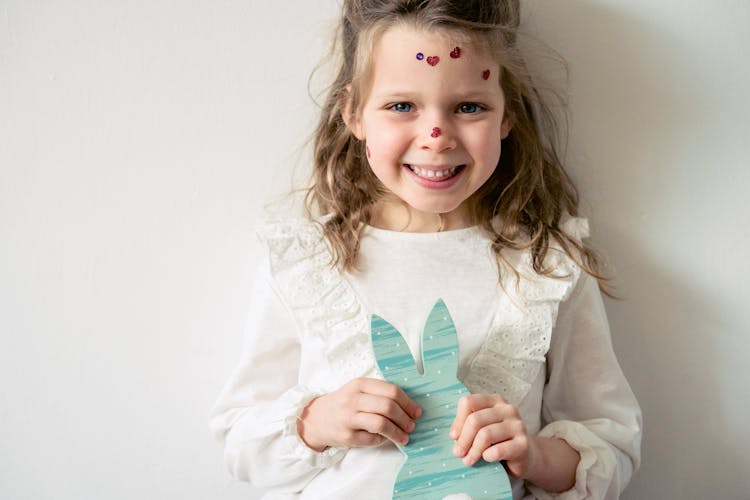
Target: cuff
[(299, 398), (596, 468)]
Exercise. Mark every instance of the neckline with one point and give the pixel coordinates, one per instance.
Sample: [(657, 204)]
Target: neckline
[(407, 235)]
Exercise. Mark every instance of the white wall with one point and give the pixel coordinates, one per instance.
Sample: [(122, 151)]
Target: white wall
[(139, 140), (661, 144)]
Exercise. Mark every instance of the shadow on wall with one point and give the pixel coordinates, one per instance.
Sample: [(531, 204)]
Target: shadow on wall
[(635, 109), (663, 335)]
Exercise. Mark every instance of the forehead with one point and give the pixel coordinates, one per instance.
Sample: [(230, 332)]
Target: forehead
[(409, 55), (407, 35)]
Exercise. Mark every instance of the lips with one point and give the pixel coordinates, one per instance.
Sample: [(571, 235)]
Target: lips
[(435, 176)]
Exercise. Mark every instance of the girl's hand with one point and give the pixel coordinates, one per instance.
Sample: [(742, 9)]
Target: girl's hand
[(361, 413), (488, 427)]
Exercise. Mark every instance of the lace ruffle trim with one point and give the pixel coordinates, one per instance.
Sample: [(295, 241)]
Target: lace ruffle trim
[(327, 307), (514, 352), (322, 300)]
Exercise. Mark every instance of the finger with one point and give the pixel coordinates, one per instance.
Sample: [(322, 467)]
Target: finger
[(468, 405), (391, 391), (510, 449), (472, 425), (386, 407), (486, 438), (510, 429), (377, 424)]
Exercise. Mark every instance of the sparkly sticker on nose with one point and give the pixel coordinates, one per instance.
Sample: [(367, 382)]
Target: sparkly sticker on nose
[(420, 56), (433, 60), (436, 132), (486, 74), (456, 53)]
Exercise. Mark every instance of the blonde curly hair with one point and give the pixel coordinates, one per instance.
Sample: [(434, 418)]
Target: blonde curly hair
[(529, 195)]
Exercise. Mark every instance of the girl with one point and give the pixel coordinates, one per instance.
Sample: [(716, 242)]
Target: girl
[(435, 176)]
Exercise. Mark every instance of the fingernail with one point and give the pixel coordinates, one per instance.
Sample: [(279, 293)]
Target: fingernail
[(418, 413), (458, 451), (453, 434), (411, 426), (468, 461)]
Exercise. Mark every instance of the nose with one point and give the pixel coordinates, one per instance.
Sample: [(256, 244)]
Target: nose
[(437, 136)]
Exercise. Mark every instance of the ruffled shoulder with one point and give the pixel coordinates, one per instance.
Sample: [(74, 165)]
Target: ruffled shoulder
[(292, 242), (516, 346), (576, 227), (558, 285), (323, 302)]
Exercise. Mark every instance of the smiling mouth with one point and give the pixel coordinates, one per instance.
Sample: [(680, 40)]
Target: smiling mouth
[(435, 175)]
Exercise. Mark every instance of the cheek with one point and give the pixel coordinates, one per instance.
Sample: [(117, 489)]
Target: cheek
[(384, 145), (493, 139), (485, 143)]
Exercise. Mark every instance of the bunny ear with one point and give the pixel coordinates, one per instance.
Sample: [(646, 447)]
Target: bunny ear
[(439, 342), (392, 353)]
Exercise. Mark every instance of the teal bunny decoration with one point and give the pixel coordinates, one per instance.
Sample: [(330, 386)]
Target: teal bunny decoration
[(431, 471)]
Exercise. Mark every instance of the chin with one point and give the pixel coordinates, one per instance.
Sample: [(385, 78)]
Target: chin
[(434, 209)]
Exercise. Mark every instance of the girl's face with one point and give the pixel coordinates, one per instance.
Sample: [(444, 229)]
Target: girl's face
[(432, 122)]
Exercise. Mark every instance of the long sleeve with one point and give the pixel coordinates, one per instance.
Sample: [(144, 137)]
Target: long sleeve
[(256, 413), (587, 400)]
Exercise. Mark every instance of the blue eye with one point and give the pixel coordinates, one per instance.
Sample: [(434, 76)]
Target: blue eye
[(469, 107), (401, 107)]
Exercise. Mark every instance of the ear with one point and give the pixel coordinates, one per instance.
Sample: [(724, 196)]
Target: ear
[(440, 343), (506, 125), (349, 115), (392, 353)]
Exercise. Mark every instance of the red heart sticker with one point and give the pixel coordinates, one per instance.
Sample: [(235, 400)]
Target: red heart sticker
[(456, 53), (486, 74), (433, 60)]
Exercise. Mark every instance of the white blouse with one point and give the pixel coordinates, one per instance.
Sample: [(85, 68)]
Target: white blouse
[(541, 342)]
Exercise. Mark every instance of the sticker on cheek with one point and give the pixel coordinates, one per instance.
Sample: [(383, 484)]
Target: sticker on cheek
[(420, 56), (436, 132), (486, 74), (433, 60), (456, 53)]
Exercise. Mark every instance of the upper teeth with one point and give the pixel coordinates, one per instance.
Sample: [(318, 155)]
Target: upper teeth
[(432, 173)]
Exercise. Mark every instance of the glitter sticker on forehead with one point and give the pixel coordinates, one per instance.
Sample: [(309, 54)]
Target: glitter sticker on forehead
[(486, 74), (456, 53), (420, 56), (436, 132), (433, 60)]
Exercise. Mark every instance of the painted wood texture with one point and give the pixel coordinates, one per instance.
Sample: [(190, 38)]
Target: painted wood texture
[(431, 471)]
